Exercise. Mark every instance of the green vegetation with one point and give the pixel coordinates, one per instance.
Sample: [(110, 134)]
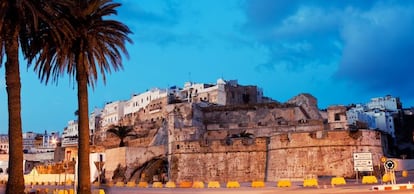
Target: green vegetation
[(60, 36), (20, 22), (121, 132)]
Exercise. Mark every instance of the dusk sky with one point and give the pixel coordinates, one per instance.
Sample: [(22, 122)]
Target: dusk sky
[(341, 52)]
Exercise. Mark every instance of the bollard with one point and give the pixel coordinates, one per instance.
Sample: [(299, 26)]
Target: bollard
[(284, 183), (170, 184)]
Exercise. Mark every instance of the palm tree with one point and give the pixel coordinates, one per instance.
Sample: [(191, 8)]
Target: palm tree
[(19, 20), (95, 49), (121, 132)]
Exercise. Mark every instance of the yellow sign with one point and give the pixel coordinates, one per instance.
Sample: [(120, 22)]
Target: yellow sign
[(383, 159)]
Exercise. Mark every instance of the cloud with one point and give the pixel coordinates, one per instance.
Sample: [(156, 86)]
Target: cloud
[(151, 12), (378, 47), (370, 41), (307, 35), (152, 20)]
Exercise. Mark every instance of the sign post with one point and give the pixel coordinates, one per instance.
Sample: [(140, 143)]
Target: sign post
[(389, 167), (362, 162), (99, 165)]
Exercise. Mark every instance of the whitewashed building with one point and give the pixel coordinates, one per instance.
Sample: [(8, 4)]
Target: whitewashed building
[(112, 113), (4, 144), (48, 143), (221, 93), (29, 142), (387, 103), (139, 101), (70, 134), (378, 114), (196, 92)]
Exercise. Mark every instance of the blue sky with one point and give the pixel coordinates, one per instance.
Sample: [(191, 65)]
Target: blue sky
[(341, 52)]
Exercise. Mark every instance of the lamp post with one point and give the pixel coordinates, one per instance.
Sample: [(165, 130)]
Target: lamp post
[(65, 167), (74, 176)]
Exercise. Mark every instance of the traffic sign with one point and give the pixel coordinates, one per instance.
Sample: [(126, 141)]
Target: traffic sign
[(363, 156), (389, 164), (363, 165), (363, 161), (99, 165)]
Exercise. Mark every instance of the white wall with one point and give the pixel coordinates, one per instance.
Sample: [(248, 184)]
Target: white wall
[(112, 113)]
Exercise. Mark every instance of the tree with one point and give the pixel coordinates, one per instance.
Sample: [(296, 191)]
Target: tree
[(121, 132), (19, 21), (96, 48)]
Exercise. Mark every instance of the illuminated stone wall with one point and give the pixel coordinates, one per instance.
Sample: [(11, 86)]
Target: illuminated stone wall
[(319, 153), (215, 161), (288, 156)]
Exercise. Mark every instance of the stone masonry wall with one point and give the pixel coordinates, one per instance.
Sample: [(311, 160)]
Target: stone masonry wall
[(297, 155), (130, 157), (218, 162), (274, 117)]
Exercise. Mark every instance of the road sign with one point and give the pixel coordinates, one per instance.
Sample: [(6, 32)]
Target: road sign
[(363, 165), (363, 161), (389, 164), (99, 165), (363, 156)]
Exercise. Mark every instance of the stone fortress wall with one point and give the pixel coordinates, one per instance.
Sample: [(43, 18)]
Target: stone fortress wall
[(319, 153), (243, 142), (192, 161), (283, 156), (289, 142)]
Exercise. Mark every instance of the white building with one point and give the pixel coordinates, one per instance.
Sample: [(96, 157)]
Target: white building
[(387, 103), (70, 134), (139, 101), (384, 121), (360, 113), (196, 92), (51, 140), (377, 114), (29, 142), (4, 144), (112, 113)]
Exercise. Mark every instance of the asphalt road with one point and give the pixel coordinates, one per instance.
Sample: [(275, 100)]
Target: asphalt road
[(296, 188), (244, 189)]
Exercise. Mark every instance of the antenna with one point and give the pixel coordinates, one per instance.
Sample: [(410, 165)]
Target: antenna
[(189, 77)]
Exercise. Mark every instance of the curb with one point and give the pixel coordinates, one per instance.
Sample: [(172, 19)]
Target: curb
[(392, 187)]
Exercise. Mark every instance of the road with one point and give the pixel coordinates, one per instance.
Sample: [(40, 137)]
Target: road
[(295, 189)]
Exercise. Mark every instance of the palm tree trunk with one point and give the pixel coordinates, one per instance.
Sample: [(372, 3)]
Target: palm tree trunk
[(84, 182), (122, 143), (15, 182)]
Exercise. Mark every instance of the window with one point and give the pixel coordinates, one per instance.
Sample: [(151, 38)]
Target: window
[(337, 117)]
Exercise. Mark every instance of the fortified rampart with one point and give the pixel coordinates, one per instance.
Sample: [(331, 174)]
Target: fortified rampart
[(285, 142), (241, 161), (319, 153), (290, 155), (240, 142)]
